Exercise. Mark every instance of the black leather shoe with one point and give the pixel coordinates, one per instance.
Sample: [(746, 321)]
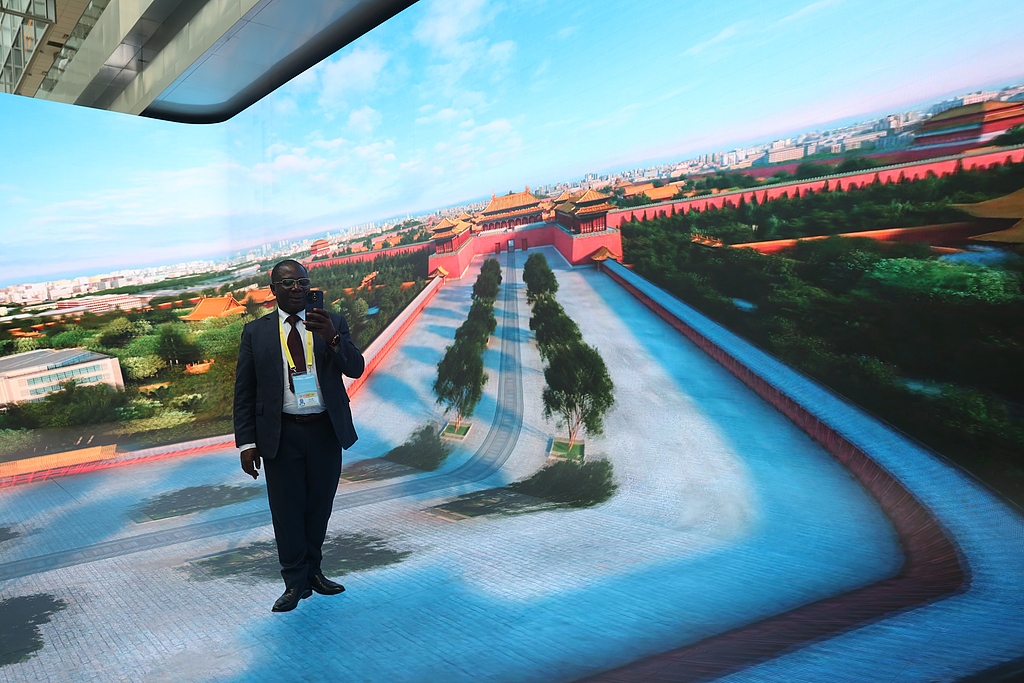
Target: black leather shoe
[(289, 600), (324, 586)]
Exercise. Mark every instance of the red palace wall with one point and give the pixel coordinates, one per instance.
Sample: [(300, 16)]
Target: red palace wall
[(846, 181), (575, 248)]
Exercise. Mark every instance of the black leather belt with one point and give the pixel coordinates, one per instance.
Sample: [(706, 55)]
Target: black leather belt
[(303, 418)]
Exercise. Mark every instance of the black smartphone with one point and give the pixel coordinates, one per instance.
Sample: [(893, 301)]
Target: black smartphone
[(314, 299)]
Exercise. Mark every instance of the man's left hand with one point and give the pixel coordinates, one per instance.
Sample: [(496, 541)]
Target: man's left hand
[(318, 321)]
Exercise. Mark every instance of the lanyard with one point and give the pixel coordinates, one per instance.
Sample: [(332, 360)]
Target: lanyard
[(288, 352)]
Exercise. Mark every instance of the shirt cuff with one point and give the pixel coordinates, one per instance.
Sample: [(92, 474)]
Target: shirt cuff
[(246, 446)]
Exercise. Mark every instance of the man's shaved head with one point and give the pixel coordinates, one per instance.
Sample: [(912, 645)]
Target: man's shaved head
[(277, 269)]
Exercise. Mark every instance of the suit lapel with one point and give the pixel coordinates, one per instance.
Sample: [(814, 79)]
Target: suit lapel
[(268, 347), (319, 347)]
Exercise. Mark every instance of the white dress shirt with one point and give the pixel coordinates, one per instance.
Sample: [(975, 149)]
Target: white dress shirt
[(290, 405)]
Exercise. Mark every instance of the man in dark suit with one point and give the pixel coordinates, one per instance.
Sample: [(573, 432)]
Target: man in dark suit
[(292, 411)]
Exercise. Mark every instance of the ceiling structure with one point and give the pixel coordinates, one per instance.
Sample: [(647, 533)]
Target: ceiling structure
[(192, 61)]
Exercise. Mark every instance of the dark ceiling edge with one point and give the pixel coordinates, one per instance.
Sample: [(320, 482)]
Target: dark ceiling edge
[(337, 35)]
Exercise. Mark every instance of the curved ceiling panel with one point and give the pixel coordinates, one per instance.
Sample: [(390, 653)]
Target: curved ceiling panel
[(272, 43)]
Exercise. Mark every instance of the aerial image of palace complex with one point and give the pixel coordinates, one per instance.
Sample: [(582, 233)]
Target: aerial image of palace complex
[(692, 341)]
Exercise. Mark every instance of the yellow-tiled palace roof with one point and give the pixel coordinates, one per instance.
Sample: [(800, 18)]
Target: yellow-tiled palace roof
[(1007, 206), (511, 202), (215, 307)]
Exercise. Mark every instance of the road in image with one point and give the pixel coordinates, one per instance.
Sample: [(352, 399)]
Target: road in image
[(725, 513)]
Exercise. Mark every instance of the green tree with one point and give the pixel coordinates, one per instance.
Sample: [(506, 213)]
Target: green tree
[(23, 344), (175, 344), (539, 278), (855, 164), (579, 389), (544, 311), (70, 338), (141, 367), (810, 170), (483, 312), (479, 325), (474, 333), (951, 281), (1014, 136), (488, 282), (253, 309), (117, 333), (732, 233), (558, 332), (460, 380), (72, 405), (358, 312)]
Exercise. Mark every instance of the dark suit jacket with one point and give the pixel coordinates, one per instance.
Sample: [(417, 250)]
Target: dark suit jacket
[(259, 383)]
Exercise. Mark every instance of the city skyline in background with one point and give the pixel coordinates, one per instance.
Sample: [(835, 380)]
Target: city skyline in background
[(449, 102)]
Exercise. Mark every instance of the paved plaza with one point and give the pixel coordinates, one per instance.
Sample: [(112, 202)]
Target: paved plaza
[(725, 514)]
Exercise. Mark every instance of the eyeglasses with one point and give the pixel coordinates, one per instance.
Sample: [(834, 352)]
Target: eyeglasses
[(289, 282)]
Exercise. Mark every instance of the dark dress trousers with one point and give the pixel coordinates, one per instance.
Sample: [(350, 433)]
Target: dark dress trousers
[(302, 460)]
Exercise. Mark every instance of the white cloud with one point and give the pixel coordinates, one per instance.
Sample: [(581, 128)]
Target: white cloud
[(355, 72), (284, 107), (329, 145), (444, 116), (295, 161), (373, 150), (150, 215), (722, 36), (502, 52), (307, 80), (364, 120), (447, 21), (496, 129), (451, 30), (276, 148)]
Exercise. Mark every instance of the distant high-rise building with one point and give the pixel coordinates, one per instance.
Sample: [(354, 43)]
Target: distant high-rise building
[(976, 97), (779, 154)]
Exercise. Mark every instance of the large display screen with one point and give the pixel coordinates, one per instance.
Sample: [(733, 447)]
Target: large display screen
[(687, 325)]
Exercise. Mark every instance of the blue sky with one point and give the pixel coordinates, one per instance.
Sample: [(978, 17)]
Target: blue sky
[(451, 101)]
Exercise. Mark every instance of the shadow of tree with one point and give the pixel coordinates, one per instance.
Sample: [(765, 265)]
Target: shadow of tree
[(342, 554), (20, 635), (192, 499)]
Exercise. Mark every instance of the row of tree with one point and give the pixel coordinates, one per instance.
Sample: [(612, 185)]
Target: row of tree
[(579, 389), (725, 180), (932, 345), (460, 373), (902, 204)]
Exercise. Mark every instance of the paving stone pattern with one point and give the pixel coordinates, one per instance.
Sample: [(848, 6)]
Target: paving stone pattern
[(725, 514), (979, 628)]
